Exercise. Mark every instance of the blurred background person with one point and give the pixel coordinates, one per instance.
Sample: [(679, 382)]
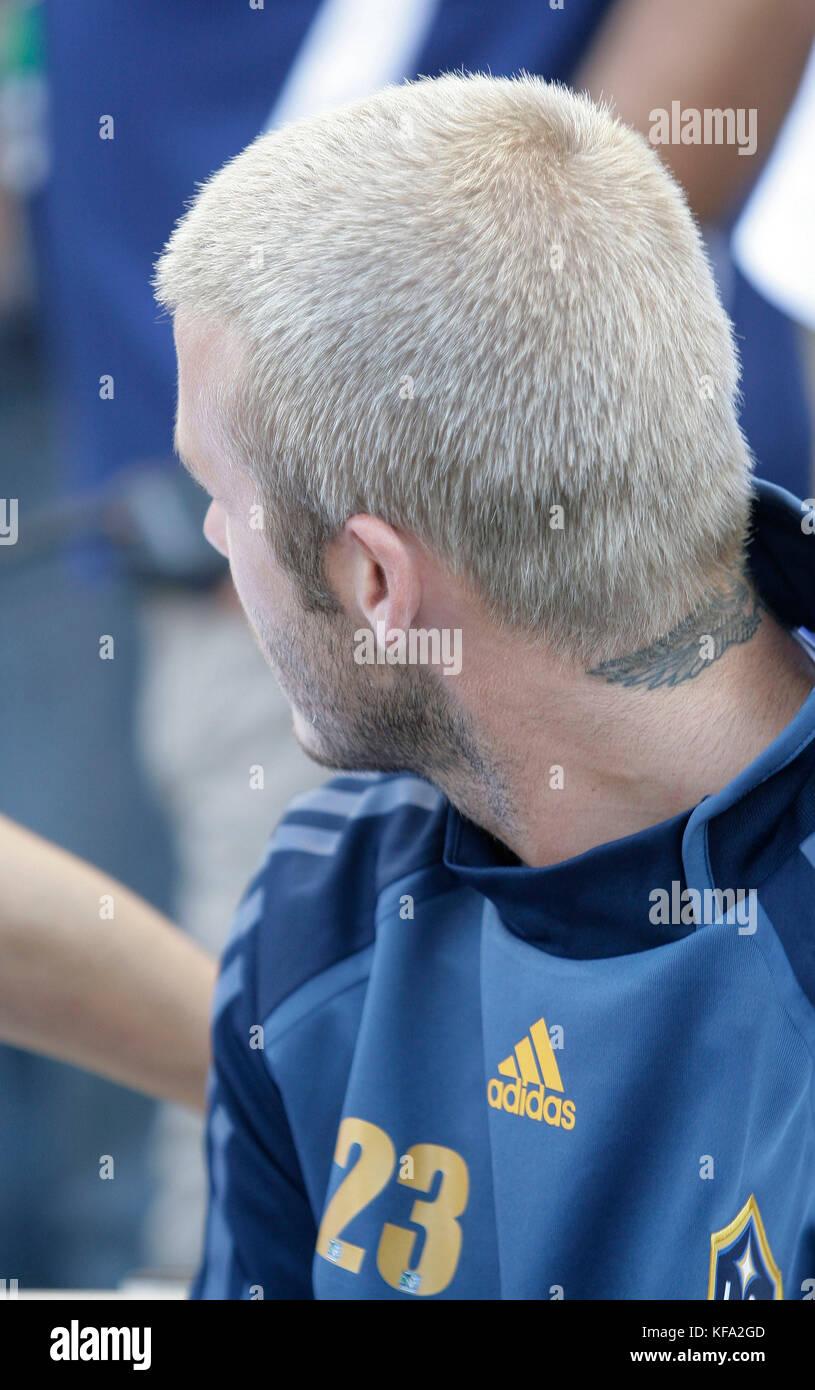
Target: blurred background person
[(66, 749), (774, 238), (143, 102), (748, 57)]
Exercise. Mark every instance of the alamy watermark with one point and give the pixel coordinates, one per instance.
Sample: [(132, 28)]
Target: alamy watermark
[(704, 907), (8, 520), (712, 126), (419, 646)]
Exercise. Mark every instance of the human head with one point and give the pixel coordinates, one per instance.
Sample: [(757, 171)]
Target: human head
[(461, 305)]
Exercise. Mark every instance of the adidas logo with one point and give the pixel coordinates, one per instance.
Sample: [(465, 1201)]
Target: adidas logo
[(533, 1075)]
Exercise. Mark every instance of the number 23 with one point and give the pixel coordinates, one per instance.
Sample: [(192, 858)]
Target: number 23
[(367, 1178)]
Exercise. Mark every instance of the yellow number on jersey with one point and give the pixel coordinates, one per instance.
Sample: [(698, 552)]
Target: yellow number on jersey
[(442, 1246), (365, 1181)]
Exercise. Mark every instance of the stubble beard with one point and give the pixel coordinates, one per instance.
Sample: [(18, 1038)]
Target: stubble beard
[(364, 718)]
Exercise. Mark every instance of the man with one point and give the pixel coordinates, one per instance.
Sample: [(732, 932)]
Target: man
[(532, 1017), (173, 91)]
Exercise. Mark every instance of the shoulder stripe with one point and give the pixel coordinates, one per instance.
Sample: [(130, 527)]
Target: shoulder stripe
[(228, 986), (248, 914), (370, 800), (220, 1245), (348, 806), (313, 903), (307, 839), (808, 849)]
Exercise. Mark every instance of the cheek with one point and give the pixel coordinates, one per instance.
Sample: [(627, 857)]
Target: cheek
[(253, 573)]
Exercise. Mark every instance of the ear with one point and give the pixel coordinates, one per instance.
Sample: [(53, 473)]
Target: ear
[(375, 571)]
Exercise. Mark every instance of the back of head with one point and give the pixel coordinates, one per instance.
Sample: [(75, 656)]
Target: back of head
[(480, 309)]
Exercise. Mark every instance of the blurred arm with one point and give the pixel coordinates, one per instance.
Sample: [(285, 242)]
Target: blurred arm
[(128, 997), (706, 55)]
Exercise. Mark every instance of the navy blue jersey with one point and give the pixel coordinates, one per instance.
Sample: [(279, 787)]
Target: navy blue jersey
[(441, 1073)]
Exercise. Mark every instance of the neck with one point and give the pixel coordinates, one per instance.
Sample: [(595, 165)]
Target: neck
[(579, 758)]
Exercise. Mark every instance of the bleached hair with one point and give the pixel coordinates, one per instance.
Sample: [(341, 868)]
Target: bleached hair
[(463, 304)]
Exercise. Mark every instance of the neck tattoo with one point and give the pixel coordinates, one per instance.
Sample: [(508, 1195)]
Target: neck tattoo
[(732, 616)]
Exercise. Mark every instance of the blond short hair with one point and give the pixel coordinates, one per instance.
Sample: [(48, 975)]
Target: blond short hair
[(464, 303)]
